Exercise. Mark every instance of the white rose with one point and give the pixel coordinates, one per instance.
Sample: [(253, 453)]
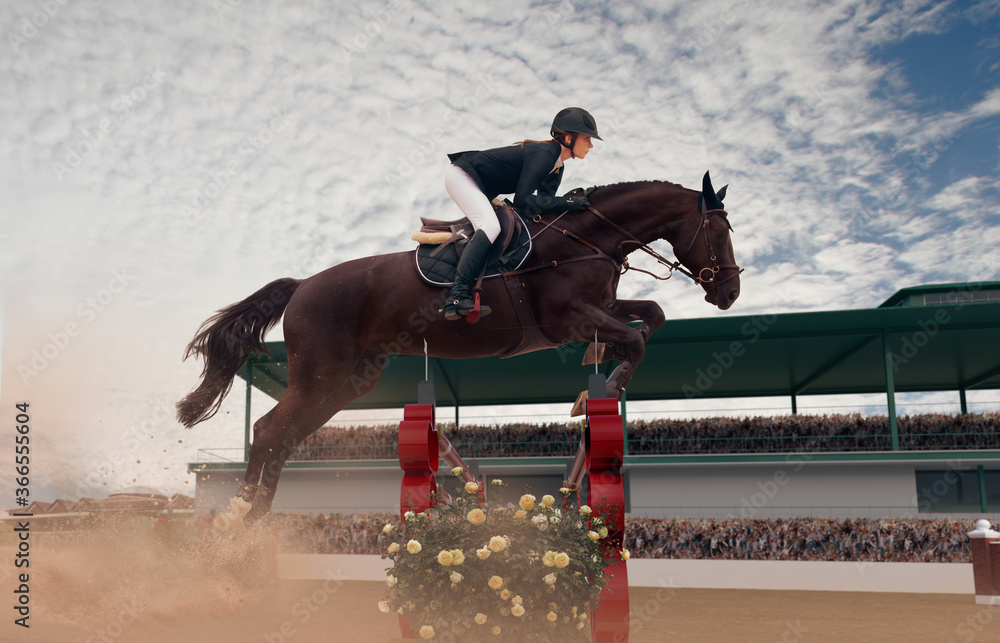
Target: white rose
[(387, 529), (383, 606), (550, 579), (390, 580), (456, 577)]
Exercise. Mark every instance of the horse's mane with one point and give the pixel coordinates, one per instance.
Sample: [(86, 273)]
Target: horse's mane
[(613, 189)]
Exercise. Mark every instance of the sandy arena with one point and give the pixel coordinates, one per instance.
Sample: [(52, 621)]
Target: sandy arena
[(131, 588)]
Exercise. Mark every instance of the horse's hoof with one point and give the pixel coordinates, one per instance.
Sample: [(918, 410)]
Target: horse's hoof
[(580, 406), (238, 507)]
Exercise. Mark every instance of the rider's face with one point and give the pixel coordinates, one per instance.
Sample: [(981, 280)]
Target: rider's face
[(583, 145)]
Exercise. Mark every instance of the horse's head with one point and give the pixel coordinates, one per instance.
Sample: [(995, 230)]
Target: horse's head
[(708, 249)]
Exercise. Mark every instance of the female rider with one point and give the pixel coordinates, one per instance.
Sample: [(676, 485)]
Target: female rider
[(531, 171)]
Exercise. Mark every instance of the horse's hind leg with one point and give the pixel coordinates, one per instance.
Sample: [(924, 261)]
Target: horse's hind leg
[(276, 436)]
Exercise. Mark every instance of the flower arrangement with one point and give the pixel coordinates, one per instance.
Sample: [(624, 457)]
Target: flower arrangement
[(470, 570)]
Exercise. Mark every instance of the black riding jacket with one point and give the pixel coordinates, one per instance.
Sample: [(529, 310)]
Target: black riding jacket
[(522, 170)]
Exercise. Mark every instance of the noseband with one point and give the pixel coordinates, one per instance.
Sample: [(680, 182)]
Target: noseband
[(705, 275)]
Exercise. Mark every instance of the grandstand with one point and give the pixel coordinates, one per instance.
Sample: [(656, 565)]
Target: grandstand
[(924, 339)]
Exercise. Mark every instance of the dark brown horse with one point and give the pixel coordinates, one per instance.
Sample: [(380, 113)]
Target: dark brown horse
[(341, 324)]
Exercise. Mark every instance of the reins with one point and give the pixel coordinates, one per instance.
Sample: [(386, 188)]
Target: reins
[(623, 266)]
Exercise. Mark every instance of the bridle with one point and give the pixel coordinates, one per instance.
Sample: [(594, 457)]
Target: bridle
[(705, 275)]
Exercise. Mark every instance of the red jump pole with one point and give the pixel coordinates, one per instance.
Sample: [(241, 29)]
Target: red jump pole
[(604, 440)]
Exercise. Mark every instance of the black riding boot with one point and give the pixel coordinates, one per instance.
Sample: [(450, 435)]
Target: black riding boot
[(460, 300)]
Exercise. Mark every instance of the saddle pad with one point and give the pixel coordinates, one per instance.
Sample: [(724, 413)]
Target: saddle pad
[(439, 270)]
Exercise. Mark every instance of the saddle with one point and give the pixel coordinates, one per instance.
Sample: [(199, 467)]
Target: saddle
[(442, 243)]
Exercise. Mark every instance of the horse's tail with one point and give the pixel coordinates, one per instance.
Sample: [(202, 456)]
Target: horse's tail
[(226, 340)]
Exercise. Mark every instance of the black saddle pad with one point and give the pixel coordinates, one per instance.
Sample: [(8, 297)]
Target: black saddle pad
[(439, 270)]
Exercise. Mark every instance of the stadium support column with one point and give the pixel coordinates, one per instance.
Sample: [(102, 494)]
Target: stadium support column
[(890, 391), (246, 421), (983, 507), (984, 544), (961, 400)]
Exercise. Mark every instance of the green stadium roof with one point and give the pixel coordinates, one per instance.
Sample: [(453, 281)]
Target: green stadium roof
[(939, 337)]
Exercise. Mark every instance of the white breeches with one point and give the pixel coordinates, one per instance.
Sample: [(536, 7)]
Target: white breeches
[(474, 204)]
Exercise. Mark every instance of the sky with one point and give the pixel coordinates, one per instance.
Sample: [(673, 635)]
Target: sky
[(162, 160)]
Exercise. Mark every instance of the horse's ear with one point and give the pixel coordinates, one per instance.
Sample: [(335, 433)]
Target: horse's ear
[(706, 185), (722, 193)]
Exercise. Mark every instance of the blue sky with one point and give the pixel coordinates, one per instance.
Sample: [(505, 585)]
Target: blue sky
[(162, 160)]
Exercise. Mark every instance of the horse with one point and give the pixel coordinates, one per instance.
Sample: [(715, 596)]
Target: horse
[(342, 324)]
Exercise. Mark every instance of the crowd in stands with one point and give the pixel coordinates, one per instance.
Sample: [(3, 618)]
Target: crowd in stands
[(830, 539), (848, 539), (331, 534), (777, 434)]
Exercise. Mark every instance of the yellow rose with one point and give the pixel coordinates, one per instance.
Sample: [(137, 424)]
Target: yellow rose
[(593, 535), (496, 630), (483, 553), (457, 557), (603, 532), (444, 557), (626, 554), (472, 487), (427, 632), (561, 559), (476, 516), (552, 616), (480, 618), (497, 481), (585, 510), (387, 528), (520, 514), (413, 547), (549, 559), (517, 600), (496, 582), (497, 544), (393, 548), (527, 502), (457, 471), (565, 491), (505, 594), (517, 610), (548, 500)]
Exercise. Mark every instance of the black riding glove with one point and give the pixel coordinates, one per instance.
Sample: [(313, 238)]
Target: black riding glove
[(576, 202)]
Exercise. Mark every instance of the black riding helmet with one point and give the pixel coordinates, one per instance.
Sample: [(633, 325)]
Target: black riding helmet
[(575, 121)]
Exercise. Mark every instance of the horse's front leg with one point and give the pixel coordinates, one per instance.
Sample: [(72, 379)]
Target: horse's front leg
[(626, 311), (596, 323)]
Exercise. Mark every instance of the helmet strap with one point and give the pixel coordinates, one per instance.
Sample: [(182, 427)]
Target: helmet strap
[(572, 143)]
